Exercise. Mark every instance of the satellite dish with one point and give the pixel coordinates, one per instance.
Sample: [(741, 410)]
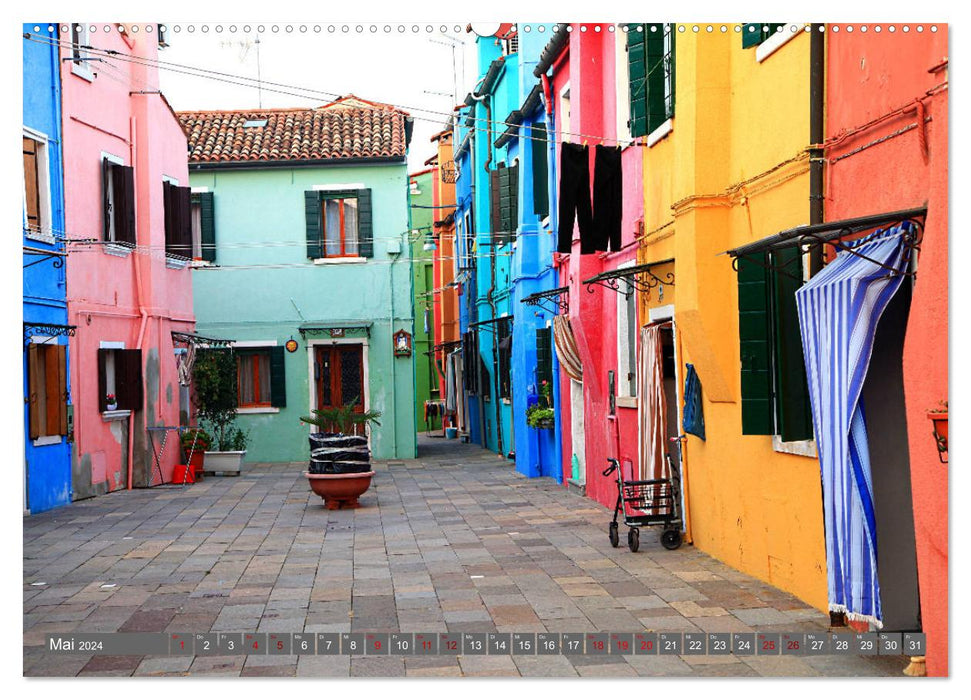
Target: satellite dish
[(486, 28)]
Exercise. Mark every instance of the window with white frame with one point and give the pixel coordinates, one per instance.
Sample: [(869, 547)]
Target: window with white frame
[(79, 57), (627, 344), (37, 199)]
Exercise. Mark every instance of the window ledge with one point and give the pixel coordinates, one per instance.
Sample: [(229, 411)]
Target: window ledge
[(339, 261), (116, 249), (177, 263), (120, 414), (803, 448), (627, 401), (45, 440), (40, 237), (776, 42), (659, 133), (83, 71), (256, 410), (194, 264), (508, 402)]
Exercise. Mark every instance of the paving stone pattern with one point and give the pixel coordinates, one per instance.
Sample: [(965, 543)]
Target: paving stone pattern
[(455, 541)]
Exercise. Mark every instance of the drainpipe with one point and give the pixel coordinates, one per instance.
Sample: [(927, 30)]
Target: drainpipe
[(140, 292), (817, 92)]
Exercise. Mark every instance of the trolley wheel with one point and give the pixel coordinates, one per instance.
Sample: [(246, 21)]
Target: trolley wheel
[(614, 536), (633, 539), (671, 539)]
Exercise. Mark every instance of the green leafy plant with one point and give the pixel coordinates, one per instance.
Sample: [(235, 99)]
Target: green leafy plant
[(214, 384), (238, 439), (539, 416), (196, 439), (342, 419)]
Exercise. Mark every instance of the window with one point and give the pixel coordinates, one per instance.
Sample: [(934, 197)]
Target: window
[(775, 397), (79, 62), (504, 200), (120, 376), (37, 204), (540, 153), (118, 201), (627, 344), (651, 62), (755, 34), (339, 223), (178, 220), (203, 227), (470, 357), (467, 241), (504, 358), (544, 361), (261, 377), (47, 384)]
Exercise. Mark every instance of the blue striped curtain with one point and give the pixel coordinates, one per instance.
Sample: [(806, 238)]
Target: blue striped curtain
[(838, 313)]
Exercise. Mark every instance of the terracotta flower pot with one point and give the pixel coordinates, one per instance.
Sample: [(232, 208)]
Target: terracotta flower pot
[(939, 419), (339, 490)]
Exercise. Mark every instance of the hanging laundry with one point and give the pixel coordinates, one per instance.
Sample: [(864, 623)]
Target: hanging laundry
[(608, 201), (574, 195), (694, 417), (839, 310)]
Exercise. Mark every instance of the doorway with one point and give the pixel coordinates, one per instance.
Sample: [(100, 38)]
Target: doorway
[(339, 376), (576, 431)]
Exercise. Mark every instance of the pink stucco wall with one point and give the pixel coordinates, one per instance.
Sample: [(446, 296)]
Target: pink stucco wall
[(133, 299), (589, 68)]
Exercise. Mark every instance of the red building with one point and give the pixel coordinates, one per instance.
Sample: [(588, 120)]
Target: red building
[(886, 151)]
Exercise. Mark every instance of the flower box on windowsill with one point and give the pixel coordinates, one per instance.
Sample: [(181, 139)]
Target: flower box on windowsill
[(119, 250), (174, 263), (117, 414)]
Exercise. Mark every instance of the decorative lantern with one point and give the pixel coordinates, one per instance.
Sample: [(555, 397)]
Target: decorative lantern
[(402, 343)]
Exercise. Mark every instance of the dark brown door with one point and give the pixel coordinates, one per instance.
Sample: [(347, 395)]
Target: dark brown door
[(339, 376)]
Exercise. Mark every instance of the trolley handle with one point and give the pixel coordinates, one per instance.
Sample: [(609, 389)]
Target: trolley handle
[(614, 464)]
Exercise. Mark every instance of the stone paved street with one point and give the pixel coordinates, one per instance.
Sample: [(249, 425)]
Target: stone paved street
[(454, 541)]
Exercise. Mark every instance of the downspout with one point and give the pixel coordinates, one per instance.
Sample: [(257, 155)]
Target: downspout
[(817, 92), (139, 291)]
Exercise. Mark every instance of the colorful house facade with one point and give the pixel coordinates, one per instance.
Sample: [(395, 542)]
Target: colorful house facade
[(309, 242), (126, 199), (47, 386), (886, 150), (422, 285)]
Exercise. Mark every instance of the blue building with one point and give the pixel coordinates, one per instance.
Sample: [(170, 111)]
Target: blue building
[(47, 402)]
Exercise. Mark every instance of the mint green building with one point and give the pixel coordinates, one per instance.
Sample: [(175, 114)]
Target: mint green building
[(423, 216), (300, 238)]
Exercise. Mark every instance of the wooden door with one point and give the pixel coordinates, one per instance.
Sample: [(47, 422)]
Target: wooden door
[(339, 376)]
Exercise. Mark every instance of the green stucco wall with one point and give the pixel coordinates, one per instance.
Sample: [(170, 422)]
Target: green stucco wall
[(263, 287), (422, 218)]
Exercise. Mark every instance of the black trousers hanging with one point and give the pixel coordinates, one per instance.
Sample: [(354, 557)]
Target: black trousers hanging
[(608, 199), (574, 193)]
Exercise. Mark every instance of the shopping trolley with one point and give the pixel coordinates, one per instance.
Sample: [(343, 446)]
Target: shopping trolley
[(647, 502)]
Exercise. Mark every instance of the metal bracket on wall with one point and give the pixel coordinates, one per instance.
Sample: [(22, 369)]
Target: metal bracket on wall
[(44, 254), (558, 300), (636, 277), (46, 330)]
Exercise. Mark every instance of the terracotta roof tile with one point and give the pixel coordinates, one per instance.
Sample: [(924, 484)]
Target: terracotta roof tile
[(348, 128)]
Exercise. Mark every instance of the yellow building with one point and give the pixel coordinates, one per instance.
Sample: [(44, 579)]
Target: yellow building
[(726, 163)]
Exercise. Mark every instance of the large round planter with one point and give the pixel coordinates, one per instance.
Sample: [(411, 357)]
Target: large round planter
[(339, 490)]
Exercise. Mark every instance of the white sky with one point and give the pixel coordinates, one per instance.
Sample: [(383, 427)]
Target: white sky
[(412, 70)]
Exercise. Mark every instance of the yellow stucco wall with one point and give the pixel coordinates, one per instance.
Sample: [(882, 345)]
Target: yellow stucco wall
[(754, 508)]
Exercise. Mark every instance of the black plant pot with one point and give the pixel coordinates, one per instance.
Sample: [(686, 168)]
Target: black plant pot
[(335, 453), (320, 466), (318, 440)]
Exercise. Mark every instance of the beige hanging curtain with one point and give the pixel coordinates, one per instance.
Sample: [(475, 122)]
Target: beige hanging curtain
[(566, 348), (651, 408)]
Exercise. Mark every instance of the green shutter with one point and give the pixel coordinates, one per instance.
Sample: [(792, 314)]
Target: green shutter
[(541, 195), (672, 62), (278, 377), (754, 34), (315, 243), (495, 190), (637, 79), (792, 410), (208, 221), (365, 224), (655, 83), (754, 345)]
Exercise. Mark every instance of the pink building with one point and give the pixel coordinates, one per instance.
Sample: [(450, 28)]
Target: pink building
[(589, 88), (128, 283)]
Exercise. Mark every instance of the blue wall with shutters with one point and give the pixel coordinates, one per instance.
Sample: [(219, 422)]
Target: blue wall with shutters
[(47, 467), (531, 271)]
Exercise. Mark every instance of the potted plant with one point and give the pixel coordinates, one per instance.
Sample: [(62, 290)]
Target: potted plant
[(214, 383), (340, 462), (540, 415), (938, 417), (195, 442), (111, 402)]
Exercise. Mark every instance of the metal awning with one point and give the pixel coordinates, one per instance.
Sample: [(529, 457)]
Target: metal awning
[(639, 277), (489, 322), (335, 329), (559, 298), (829, 232), (46, 330), (197, 339), (44, 254)]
